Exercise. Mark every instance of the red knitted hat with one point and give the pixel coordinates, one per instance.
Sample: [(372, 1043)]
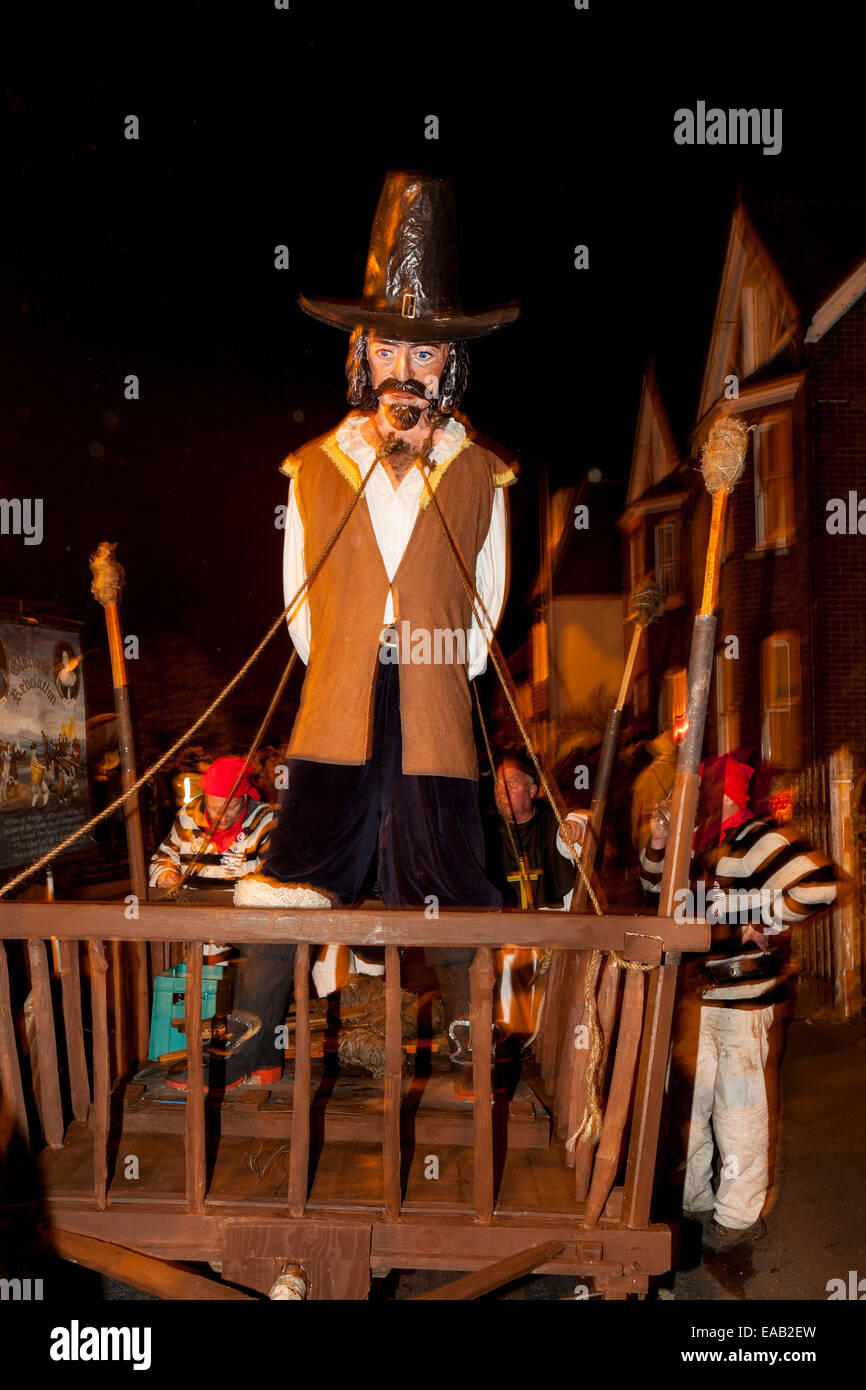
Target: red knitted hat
[(721, 776), (220, 778)]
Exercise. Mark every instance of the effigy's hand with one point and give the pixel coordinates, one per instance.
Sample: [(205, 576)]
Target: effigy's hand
[(170, 878)]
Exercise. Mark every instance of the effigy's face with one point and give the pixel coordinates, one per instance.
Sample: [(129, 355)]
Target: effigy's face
[(405, 376)]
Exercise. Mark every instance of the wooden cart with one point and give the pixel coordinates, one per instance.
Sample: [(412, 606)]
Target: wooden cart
[(399, 1174)]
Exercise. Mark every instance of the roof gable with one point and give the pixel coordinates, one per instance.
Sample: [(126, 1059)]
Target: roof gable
[(755, 314), (836, 305), (655, 452)]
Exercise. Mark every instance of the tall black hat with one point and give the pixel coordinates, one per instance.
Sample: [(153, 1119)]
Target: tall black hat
[(410, 286)]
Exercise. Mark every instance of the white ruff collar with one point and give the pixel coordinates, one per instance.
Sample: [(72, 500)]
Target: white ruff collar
[(353, 443)]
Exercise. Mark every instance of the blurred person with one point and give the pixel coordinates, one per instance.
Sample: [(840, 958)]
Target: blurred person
[(549, 862), (652, 785), (216, 857), (541, 877), (758, 880)]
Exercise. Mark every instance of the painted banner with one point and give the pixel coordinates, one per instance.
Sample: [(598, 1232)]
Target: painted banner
[(44, 790)]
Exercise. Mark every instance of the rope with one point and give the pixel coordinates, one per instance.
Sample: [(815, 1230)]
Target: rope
[(203, 718), (590, 1126), (474, 599), (518, 853), (589, 1129)]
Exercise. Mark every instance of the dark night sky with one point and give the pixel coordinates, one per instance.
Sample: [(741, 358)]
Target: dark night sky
[(261, 127)]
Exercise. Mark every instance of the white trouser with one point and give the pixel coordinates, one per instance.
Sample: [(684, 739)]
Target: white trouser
[(334, 966), (730, 1103)]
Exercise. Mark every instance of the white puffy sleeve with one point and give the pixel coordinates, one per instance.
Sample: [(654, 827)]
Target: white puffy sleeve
[(491, 577), (294, 574)]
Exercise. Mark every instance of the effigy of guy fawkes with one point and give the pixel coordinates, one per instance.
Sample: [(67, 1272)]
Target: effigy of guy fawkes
[(394, 621)]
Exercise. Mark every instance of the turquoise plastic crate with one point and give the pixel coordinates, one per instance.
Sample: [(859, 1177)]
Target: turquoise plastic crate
[(168, 1003)]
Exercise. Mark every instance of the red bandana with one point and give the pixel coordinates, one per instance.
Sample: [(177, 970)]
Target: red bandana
[(218, 781)]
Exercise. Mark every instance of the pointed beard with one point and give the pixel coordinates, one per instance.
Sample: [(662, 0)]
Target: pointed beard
[(402, 417)]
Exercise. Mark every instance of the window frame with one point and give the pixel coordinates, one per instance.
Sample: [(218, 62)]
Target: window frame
[(781, 743), (781, 541), (670, 524), (727, 709)]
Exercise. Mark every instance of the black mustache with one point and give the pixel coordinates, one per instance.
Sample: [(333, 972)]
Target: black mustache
[(412, 387)]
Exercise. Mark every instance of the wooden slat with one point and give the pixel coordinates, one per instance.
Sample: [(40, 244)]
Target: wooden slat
[(70, 980), (101, 1071), (140, 999), (561, 1000), (335, 1256), (608, 990), (365, 927), (299, 1157), (481, 980), (195, 1136), (548, 1041), (393, 1080), (577, 1086), (48, 1090), (567, 1058), (10, 1066), (649, 1096), (495, 1276), (117, 1036), (616, 1111), (139, 1271), (160, 961)]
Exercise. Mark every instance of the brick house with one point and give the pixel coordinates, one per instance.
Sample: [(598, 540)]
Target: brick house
[(787, 352), (793, 682)]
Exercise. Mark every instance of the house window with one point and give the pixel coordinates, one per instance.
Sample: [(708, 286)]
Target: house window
[(727, 714), (774, 481), (780, 699), (667, 558), (672, 702), (759, 321)]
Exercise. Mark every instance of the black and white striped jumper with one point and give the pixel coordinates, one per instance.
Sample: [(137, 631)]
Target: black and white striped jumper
[(761, 873), (190, 836)]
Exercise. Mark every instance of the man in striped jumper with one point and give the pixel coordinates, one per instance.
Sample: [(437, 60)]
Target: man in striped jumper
[(753, 880), (219, 857)]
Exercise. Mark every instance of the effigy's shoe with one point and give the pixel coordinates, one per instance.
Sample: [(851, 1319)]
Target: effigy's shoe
[(216, 1078), (258, 890)]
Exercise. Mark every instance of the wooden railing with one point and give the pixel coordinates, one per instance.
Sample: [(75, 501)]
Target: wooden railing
[(636, 1064)]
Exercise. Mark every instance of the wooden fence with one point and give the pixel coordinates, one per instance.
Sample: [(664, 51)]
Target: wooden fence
[(831, 948), (635, 1022)]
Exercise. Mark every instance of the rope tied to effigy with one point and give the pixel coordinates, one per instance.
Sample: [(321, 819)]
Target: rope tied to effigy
[(485, 626), (645, 610), (105, 589)]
